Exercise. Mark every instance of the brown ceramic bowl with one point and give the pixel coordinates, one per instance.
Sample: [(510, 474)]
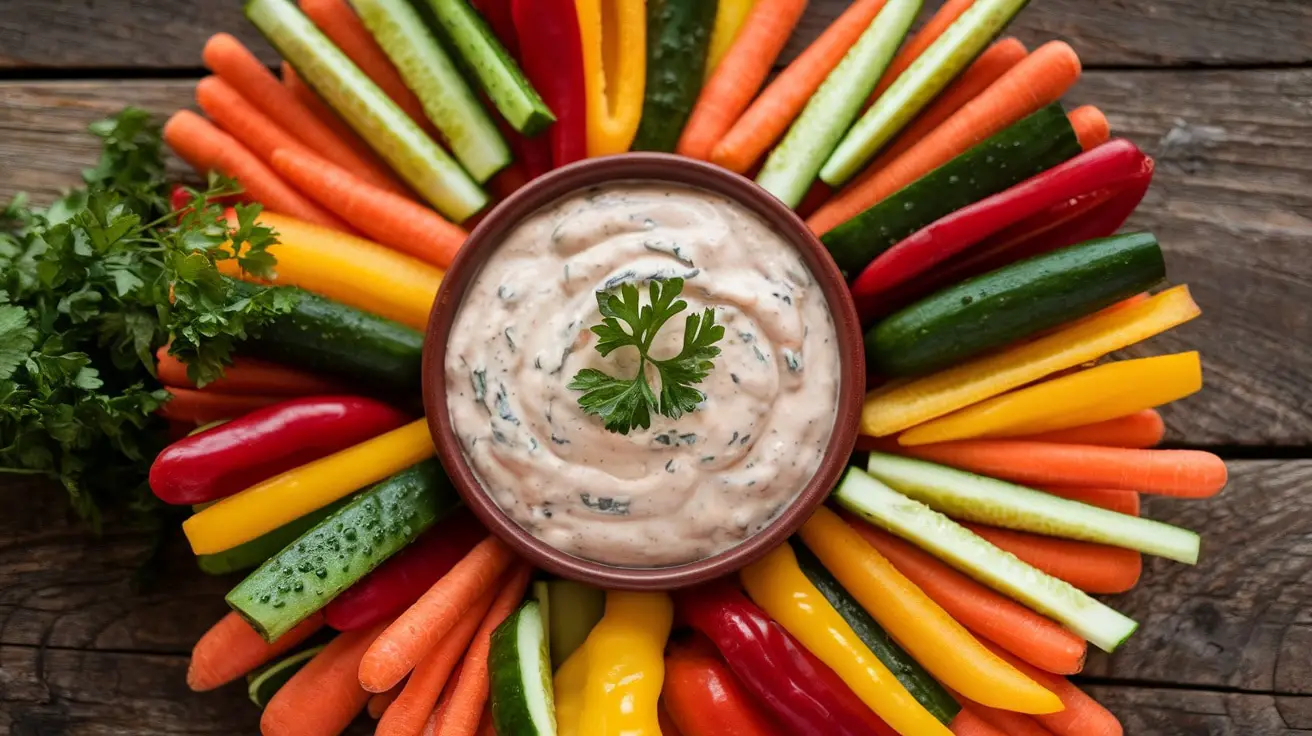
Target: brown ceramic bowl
[(642, 167)]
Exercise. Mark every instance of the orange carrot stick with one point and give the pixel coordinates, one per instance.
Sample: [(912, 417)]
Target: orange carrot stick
[(996, 61), (782, 101), (203, 407), (343, 27), (324, 696), (1093, 568), (1122, 502), (1083, 715), (422, 626), (206, 148), (924, 38), (395, 221), (227, 57), (232, 112), (435, 717), (1008, 722), (1038, 80), (966, 723), (415, 704), (306, 96), (1138, 431), (1037, 640), (461, 716), (231, 648), (1091, 126), (380, 702), (740, 74), (1186, 473), (248, 376)]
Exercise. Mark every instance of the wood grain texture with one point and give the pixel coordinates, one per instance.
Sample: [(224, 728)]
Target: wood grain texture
[(1171, 712), (1231, 203), (162, 34)]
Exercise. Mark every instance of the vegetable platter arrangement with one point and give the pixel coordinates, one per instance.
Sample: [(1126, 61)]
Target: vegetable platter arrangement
[(273, 318)]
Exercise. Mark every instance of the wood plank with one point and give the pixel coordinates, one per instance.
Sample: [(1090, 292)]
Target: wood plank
[(159, 34), (1232, 204), (1173, 712)]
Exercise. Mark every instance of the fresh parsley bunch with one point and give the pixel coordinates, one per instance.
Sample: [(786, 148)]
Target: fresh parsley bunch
[(627, 403)]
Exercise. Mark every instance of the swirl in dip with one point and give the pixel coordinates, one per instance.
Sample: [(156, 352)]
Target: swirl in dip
[(684, 489)]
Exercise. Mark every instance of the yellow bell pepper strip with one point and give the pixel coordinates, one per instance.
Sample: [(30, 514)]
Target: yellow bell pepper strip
[(268, 505), (626, 665), (1088, 397), (729, 17), (780, 587), (898, 407), (614, 95), (933, 638), (347, 269), (568, 686)]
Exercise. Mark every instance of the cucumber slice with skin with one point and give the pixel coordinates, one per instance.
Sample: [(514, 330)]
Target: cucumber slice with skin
[(919, 85), (252, 554), (995, 502), (367, 109), (794, 163), (490, 63), (952, 543), (261, 686), (678, 34), (575, 609), (342, 549), (519, 667), (432, 75)]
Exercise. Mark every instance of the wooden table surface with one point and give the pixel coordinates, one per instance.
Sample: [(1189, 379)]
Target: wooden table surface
[(1218, 91)]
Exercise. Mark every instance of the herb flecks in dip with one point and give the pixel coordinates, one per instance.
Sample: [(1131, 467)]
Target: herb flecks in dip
[(683, 489)]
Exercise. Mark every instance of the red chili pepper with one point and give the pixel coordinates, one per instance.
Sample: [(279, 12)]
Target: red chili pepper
[(180, 199), (238, 454), (705, 698), (552, 55), (798, 689), (401, 580), (1037, 215)]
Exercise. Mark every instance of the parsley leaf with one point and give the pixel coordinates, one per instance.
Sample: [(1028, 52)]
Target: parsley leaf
[(625, 404)]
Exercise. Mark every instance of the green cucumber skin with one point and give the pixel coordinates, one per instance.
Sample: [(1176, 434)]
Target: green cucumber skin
[(922, 686), (342, 549), (678, 35), (1013, 302), (575, 609), (252, 554), (262, 686), (512, 712), (793, 165), (1028, 147), (324, 336), (371, 113), (918, 85), (490, 63), (434, 77)]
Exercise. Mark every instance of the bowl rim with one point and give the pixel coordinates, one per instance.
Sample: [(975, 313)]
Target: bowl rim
[(484, 239)]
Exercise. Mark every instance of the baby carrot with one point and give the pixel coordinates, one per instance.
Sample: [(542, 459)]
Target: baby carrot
[(206, 148), (1008, 722), (1038, 80), (380, 702), (324, 696), (248, 376), (420, 694), (230, 111), (462, 714), (231, 648), (1036, 639), (1122, 502), (966, 723), (1138, 431), (740, 74), (779, 104), (227, 57), (1185, 473), (1093, 568), (203, 407), (306, 96), (407, 641), (1083, 716), (924, 38), (1091, 126), (395, 221)]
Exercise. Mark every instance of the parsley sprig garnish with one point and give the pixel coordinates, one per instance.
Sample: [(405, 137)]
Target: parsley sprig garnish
[(627, 403)]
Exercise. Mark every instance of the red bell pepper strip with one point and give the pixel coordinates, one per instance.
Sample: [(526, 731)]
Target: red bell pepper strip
[(1029, 212), (534, 153), (802, 693), (257, 446), (705, 698), (401, 580), (552, 54)]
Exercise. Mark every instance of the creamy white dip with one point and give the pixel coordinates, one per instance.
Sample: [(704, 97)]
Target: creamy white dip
[(684, 489)]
